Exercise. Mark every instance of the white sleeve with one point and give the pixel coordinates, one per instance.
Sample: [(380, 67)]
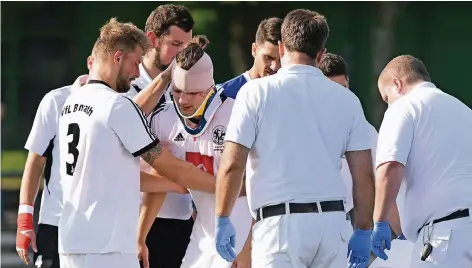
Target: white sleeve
[(242, 126), (44, 126), (374, 137), (130, 125), (359, 136), (155, 122), (395, 135)]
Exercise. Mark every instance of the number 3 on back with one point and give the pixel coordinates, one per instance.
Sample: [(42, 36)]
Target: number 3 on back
[(73, 130)]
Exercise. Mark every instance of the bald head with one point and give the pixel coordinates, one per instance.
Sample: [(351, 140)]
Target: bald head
[(400, 75)]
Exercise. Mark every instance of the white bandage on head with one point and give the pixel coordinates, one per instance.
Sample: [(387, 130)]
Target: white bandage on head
[(197, 79)]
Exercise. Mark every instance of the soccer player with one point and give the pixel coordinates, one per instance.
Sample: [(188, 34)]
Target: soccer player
[(101, 133), (193, 126), (294, 186), (43, 154), (265, 51), (169, 28), (424, 151)]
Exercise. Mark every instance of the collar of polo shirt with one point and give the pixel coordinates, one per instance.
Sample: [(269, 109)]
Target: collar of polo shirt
[(300, 68)]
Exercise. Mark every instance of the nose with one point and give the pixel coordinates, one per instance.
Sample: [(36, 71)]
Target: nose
[(183, 99)]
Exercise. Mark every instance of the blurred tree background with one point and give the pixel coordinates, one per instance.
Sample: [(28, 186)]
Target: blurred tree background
[(45, 44)]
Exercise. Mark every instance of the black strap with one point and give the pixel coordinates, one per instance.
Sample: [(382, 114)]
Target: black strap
[(456, 215), (276, 210), (98, 82)]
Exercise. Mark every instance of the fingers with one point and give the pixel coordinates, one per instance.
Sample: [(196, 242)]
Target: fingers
[(378, 251), (232, 241), (23, 255), (146, 261), (357, 263), (388, 244)]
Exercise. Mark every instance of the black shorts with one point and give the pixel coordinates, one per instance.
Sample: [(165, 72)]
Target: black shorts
[(167, 242), (47, 242)]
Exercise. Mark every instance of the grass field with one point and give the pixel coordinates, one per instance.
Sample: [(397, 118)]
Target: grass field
[(12, 164)]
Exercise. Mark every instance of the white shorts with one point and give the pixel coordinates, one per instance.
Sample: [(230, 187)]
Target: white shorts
[(115, 260), (301, 240)]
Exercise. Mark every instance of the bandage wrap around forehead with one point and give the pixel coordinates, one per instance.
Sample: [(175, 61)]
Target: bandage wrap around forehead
[(197, 79)]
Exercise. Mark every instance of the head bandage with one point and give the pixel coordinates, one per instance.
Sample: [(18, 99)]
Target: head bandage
[(197, 79)]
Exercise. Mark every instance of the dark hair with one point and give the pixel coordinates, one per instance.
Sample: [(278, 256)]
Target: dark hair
[(165, 16), (333, 65), (192, 52), (305, 31), (269, 30)]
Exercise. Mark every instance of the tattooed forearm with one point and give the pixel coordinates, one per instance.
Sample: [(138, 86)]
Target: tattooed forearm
[(152, 154)]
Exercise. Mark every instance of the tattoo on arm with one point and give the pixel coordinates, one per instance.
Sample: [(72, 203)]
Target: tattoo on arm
[(152, 154)]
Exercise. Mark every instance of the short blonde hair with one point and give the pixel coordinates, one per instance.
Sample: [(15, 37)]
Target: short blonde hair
[(115, 35)]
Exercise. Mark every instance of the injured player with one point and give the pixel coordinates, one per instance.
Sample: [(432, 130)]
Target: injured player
[(193, 126)]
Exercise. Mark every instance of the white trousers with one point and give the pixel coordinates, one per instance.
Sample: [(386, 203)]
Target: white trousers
[(452, 245), (305, 240), (115, 260)]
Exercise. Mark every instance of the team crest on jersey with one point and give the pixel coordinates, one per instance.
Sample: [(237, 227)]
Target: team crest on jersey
[(219, 133)]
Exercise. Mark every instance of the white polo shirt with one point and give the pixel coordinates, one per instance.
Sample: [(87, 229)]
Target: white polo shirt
[(175, 206), (297, 133), (101, 133), (430, 133), (42, 141), (346, 172)]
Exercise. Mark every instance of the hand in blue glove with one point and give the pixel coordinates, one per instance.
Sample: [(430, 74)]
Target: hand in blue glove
[(381, 235), (225, 238), (359, 248)]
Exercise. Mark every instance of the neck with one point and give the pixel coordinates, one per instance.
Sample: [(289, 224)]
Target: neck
[(149, 66), (102, 73), (298, 58), (190, 124), (253, 73)]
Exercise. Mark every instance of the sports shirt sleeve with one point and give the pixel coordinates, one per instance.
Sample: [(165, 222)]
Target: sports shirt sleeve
[(130, 125), (242, 126), (154, 121), (44, 126), (395, 135), (359, 136)]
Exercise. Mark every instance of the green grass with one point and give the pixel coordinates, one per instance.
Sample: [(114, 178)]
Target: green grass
[(13, 161)]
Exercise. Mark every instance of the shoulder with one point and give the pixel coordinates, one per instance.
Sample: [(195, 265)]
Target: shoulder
[(57, 96), (232, 87), (164, 110)]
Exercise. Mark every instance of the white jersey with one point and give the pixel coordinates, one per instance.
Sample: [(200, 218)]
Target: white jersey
[(346, 172), (101, 133), (175, 206), (203, 150), (42, 141), (429, 132)]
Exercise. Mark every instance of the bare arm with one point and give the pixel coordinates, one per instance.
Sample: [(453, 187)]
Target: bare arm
[(363, 187), (159, 184), (230, 177), (179, 171), (151, 204), (388, 180), (31, 178), (148, 98)]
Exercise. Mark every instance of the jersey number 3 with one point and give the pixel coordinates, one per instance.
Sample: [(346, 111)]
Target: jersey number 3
[(73, 130), (203, 162)]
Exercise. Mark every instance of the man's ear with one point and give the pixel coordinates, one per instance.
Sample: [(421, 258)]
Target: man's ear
[(152, 36), (281, 48), (254, 49), (118, 56)]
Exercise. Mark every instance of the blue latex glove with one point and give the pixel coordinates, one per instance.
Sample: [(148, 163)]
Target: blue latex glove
[(359, 248), (381, 235), (225, 238), (401, 237)]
